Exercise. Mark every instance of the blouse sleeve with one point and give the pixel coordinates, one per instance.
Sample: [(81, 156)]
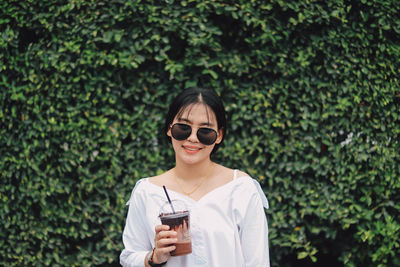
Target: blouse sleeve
[(135, 238), (253, 227)]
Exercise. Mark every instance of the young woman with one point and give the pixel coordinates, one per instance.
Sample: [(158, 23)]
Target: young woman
[(228, 225)]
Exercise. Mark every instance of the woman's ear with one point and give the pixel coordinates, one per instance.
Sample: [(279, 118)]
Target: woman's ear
[(220, 136), (169, 132)]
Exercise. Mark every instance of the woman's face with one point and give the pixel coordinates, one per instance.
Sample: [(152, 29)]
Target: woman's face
[(191, 150)]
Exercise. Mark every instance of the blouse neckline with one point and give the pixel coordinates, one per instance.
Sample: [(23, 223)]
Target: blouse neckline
[(235, 178)]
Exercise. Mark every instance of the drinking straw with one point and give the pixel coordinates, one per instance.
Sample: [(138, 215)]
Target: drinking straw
[(169, 200)]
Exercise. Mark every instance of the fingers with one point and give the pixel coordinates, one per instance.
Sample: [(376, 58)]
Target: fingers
[(165, 251), (161, 227), (162, 231), (166, 234), (164, 241), (164, 237)]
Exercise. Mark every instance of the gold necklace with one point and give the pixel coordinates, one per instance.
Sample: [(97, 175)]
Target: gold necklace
[(197, 186)]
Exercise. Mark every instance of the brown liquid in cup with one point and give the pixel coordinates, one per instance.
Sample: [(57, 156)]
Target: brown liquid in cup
[(179, 222)]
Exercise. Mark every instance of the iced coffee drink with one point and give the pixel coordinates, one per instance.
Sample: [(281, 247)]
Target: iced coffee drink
[(179, 222)]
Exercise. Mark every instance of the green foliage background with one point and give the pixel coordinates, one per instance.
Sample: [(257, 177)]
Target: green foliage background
[(312, 92)]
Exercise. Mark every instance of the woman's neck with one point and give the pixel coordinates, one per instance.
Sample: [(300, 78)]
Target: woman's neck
[(193, 171)]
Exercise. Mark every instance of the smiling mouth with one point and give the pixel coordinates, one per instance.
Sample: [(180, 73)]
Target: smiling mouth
[(192, 149)]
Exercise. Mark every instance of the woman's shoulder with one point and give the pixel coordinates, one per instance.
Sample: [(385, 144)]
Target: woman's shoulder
[(243, 182), (146, 187), (248, 186), (241, 174), (144, 183), (160, 179), (227, 171)]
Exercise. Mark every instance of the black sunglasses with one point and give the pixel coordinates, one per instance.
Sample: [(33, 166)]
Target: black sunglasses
[(181, 131)]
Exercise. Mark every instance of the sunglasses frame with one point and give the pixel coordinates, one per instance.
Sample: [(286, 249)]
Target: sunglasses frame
[(197, 133)]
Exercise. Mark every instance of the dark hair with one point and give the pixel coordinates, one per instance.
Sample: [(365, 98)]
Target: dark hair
[(194, 95)]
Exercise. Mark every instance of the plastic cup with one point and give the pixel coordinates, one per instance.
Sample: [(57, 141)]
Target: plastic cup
[(179, 222)]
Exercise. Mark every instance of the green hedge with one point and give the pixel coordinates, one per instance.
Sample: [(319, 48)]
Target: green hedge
[(312, 92)]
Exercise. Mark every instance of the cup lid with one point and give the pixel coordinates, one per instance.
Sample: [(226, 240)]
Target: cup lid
[(178, 205)]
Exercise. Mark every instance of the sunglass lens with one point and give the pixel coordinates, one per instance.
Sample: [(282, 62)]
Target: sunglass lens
[(207, 136), (181, 131)]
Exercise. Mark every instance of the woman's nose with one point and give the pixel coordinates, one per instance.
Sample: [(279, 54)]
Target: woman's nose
[(193, 136)]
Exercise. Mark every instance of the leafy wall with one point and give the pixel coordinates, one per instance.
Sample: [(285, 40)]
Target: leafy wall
[(312, 92)]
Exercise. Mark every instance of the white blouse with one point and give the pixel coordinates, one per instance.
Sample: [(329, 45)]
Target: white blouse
[(228, 225)]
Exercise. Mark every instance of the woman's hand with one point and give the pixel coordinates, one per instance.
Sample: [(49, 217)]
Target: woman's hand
[(163, 241)]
